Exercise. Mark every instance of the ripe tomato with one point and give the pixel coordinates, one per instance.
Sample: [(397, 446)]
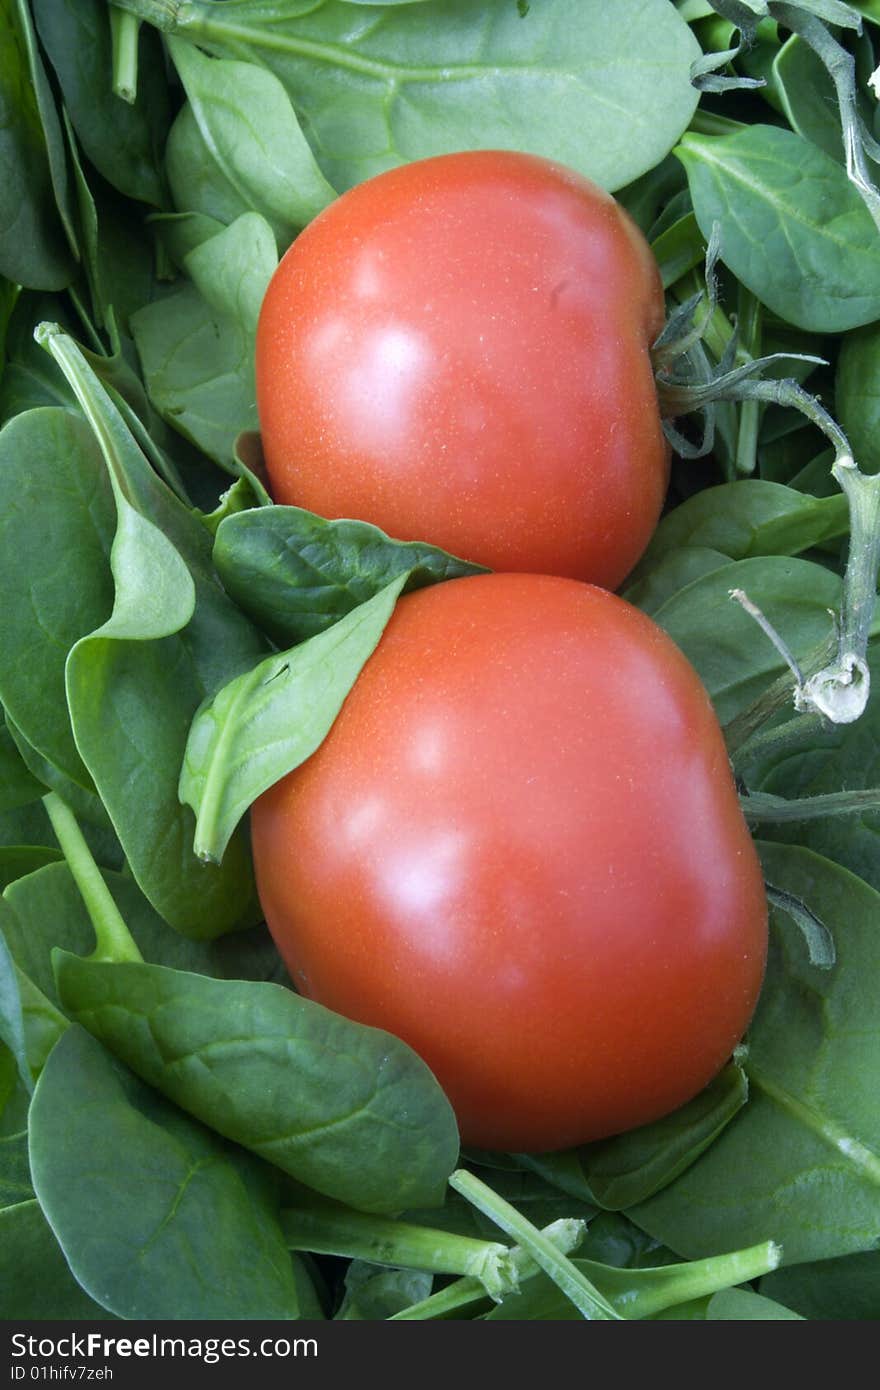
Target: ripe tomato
[(458, 352), (520, 849)]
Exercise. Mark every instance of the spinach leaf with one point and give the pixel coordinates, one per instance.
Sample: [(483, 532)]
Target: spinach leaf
[(251, 133), (199, 188), (672, 572), (122, 139), (745, 519), (345, 1109), (41, 1023), (134, 683), (842, 1289), (117, 257), (270, 719), (633, 1166), (806, 95), (157, 1218), (17, 785), (35, 1279), (29, 378), (376, 86), (12, 1032), (731, 1305), (33, 246), (45, 910), (799, 1163), (197, 345), (15, 1173), (86, 805), (373, 1293), (296, 573), (56, 528), (793, 228), (857, 394), (52, 133), (17, 861)]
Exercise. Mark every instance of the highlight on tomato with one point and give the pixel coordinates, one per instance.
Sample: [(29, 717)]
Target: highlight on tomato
[(520, 849), (458, 351)]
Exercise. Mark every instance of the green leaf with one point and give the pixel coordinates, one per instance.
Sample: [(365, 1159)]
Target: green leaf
[(807, 96), (17, 861), (197, 345), (29, 378), (793, 228), (52, 133), (734, 1304), (12, 1031), (46, 910), (56, 528), (800, 1163), (35, 1278), (380, 85), (679, 249), (632, 1167), (841, 1289), (669, 573), (345, 1109), (33, 246), (746, 519), (134, 683), (270, 719), (15, 1173), (250, 130), (17, 785), (123, 140), (373, 1293), (157, 1218), (296, 574), (857, 394)]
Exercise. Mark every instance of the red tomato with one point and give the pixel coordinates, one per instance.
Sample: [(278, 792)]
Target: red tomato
[(458, 352), (520, 849)]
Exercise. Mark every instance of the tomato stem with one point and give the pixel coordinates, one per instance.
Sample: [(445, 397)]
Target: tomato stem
[(739, 733), (114, 940), (840, 691), (763, 809), (799, 731)]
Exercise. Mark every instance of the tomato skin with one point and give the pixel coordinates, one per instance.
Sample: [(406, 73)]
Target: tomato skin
[(520, 849), (458, 351)]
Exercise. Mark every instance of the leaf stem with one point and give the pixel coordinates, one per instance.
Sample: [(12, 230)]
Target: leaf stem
[(783, 738), (115, 942), (325, 1228), (643, 1293), (576, 1287), (565, 1234), (125, 32)]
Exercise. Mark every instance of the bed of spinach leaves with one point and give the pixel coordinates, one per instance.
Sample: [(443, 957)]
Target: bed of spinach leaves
[(182, 1136)]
